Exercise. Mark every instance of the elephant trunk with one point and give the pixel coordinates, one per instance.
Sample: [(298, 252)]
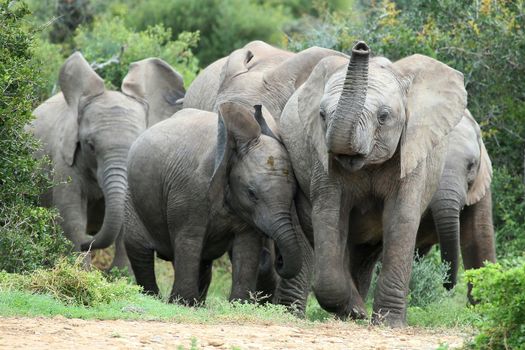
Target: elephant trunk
[(289, 261), (114, 188), (445, 210), (342, 128)]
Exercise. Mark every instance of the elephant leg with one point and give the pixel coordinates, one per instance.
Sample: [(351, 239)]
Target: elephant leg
[(477, 236), (362, 263), (267, 278), (401, 218), (139, 250), (188, 244), (205, 274), (246, 248), (121, 259), (72, 206)]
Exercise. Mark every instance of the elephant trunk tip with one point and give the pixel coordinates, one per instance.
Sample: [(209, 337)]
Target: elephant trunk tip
[(360, 49), (288, 269)]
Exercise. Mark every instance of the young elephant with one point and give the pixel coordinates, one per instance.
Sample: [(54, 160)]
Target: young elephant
[(261, 73), (461, 208), (367, 141), (87, 131), (200, 183)]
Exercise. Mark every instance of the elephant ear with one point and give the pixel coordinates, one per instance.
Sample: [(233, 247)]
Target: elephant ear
[(481, 184), (436, 100), (236, 64), (236, 128), (298, 67), (306, 104), (264, 118), (79, 83), (155, 83)]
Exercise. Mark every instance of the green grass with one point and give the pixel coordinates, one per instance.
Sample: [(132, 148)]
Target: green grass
[(18, 299)]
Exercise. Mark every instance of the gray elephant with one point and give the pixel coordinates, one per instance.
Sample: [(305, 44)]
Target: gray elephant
[(259, 73), (460, 212), (87, 131), (367, 139), (200, 183)]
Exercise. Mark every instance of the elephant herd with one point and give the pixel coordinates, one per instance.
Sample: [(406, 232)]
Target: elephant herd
[(307, 168)]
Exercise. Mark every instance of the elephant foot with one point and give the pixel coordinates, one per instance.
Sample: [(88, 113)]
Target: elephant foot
[(352, 312), (388, 318), (185, 301)]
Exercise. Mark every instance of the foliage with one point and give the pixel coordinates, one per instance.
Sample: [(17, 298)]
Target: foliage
[(508, 197), (69, 15), (29, 234), (71, 283), (500, 290), (110, 39), (426, 283), (223, 25), (482, 39)]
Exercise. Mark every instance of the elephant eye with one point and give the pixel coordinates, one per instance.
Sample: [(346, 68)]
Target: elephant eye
[(323, 114), (382, 116), (251, 194), (91, 146)]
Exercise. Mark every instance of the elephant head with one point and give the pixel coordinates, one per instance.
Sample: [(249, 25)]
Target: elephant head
[(465, 181), (99, 126), (260, 73), (373, 108), (253, 177)]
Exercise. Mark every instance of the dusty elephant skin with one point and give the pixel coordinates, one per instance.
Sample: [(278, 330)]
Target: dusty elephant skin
[(200, 183), (87, 131), (460, 212), (259, 73), (367, 139)]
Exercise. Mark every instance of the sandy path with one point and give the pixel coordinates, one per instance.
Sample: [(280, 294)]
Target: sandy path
[(63, 333)]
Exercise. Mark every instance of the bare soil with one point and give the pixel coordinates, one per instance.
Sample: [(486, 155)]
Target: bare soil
[(62, 333)]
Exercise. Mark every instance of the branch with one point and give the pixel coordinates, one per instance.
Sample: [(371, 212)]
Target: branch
[(113, 60)]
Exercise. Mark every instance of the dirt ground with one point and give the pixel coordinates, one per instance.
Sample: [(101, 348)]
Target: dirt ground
[(62, 333)]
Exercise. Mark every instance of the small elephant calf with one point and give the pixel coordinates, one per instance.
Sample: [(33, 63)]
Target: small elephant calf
[(200, 183)]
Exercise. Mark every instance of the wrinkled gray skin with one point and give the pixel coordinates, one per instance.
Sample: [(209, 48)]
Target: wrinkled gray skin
[(460, 210), (460, 214), (259, 73), (200, 184), (87, 131), (367, 140)]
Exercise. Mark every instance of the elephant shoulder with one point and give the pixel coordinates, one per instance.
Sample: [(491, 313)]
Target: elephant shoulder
[(202, 93)]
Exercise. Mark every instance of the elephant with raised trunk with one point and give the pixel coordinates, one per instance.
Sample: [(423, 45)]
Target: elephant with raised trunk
[(87, 131), (201, 183), (367, 139)]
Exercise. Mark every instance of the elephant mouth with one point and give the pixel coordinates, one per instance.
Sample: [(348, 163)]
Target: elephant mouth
[(351, 163)]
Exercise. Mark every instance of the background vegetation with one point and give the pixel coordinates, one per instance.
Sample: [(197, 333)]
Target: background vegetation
[(484, 39)]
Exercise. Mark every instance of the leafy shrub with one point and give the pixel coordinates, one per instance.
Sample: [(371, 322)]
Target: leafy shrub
[(110, 39), (509, 213), (29, 235), (500, 290), (71, 284), (426, 282), (224, 25)]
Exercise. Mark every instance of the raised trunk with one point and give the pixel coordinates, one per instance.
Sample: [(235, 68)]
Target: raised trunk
[(445, 212), (114, 188), (342, 126), (289, 261)]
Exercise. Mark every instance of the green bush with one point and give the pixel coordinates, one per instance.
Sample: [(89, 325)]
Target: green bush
[(224, 25), (70, 283), (110, 38), (426, 282), (500, 290), (508, 194), (29, 235)]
